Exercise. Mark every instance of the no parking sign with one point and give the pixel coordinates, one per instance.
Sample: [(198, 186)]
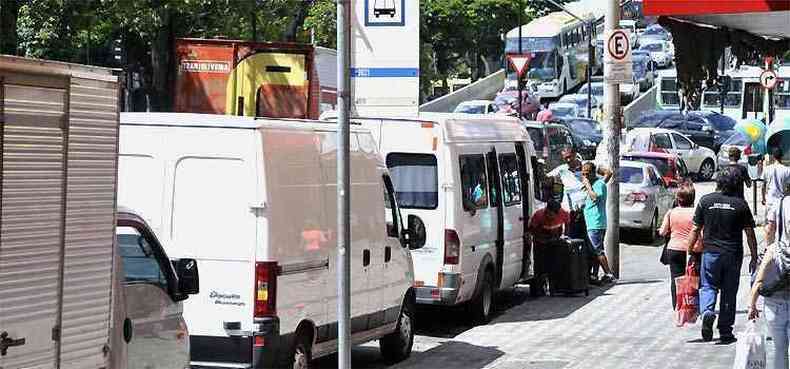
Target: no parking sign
[(617, 58)]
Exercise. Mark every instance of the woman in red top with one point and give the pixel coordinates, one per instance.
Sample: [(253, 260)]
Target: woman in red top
[(546, 226), (677, 227)]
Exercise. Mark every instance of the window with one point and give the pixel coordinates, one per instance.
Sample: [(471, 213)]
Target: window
[(493, 176), (651, 174), (662, 141), (540, 177), (474, 186), (391, 214), (415, 179), (681, 142), (139, 260), (511, 181), (631, 175), (682, 169)]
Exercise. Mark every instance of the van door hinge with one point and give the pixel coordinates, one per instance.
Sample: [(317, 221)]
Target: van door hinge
[(56, 333)]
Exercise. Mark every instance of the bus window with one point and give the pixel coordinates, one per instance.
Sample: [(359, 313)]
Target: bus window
[(782, 95), (752, 99)]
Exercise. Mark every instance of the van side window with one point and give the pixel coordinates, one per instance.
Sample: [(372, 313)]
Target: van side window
[(539, 178), (474, 185), (511, 182), (416, 180), (140, 265), (492, 176)]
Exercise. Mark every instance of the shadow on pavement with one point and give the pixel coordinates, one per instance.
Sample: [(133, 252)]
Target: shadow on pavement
[(635, 237), (463, 356)]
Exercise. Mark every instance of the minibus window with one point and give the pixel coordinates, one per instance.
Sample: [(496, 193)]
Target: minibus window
[(474, 185), (415, 178), (139, 260), (511, 182)]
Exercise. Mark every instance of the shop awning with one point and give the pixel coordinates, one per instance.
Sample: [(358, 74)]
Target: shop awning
[(766, 18)]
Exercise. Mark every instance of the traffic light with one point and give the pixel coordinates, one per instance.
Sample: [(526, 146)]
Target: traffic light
[(117, 53)]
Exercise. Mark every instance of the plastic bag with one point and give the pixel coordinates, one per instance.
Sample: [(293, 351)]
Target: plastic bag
[(687, 309), (750, 352)]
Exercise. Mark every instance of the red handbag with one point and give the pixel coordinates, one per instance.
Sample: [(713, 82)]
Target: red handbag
[(687, 309)]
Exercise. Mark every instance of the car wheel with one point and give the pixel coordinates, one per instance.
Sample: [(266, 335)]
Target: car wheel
[(484, 302), (396, 346), (706, 170)]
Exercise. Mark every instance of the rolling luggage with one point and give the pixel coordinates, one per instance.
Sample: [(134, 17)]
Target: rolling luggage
[(569, 272)]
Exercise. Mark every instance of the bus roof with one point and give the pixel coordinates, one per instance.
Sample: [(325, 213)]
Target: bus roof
[(546, 26)]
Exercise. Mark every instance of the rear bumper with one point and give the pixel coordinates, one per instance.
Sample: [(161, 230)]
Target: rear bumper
[(242, 351), (635, 216), (447, 294)]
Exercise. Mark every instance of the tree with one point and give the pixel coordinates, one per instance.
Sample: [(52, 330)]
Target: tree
[(9, 13)]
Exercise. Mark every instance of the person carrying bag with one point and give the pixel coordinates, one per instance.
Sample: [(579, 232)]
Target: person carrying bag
[(687, 309), (676, 228), (750, 353)]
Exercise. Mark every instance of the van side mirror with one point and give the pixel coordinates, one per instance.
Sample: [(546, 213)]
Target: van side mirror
[(415, 234), (188, 277)]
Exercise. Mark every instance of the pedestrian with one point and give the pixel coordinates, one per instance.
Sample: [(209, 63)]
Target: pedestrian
[(723, 218), (772, 284), (676, 227), (776, 175), (739, 171), (547, 226), (595, 216), (570, 174), (544, 115)]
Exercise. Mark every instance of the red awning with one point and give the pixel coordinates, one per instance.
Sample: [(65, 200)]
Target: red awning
[(707, 7)]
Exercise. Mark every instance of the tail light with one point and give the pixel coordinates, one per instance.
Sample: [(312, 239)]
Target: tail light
[(265, 289), (635, 197), (747, 150), (452, 247)]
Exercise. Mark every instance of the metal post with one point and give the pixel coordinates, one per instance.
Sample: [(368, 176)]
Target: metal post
[(722, 88), (590, 61), (343, 184), (520, 52), (612, 117)]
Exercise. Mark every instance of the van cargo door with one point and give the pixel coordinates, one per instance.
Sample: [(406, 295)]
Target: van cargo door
[(32, 202)]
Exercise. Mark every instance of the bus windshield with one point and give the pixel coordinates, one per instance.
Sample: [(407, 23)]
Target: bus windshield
[(541, 66)]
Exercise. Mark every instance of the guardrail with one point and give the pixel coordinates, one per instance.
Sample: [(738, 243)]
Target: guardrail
[(483, 89), (645, 102)]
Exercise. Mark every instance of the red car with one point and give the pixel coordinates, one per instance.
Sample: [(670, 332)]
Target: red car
[(672, 168)]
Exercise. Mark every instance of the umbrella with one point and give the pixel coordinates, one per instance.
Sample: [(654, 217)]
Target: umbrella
[(754, 130), (778, 134)]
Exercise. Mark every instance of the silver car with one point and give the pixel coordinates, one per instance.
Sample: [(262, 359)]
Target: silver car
[(644, 197)]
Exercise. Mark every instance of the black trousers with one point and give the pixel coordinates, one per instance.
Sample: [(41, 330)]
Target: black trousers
[(677, 268)]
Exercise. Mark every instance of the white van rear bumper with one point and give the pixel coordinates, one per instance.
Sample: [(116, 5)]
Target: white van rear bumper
[(446, 294)]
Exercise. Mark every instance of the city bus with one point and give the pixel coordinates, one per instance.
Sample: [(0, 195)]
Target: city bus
[(744, 99), (558, 49)]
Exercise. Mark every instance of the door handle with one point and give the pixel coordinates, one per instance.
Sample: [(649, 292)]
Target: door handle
[(387, 254), (6, 342), (365, 258)]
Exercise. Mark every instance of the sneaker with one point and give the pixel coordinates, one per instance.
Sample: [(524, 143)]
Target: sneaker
[(707, 326), (608, 278)]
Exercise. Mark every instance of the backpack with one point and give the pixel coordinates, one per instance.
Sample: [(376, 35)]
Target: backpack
[(781, 259)]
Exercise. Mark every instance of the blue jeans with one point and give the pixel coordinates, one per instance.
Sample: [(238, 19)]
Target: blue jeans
[(777, 318), (720, 272)]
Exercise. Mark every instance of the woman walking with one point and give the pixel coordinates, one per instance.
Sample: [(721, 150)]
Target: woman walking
[(676, 227)]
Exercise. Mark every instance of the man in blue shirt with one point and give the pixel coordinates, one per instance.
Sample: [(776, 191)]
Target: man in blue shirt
[(595, 216)]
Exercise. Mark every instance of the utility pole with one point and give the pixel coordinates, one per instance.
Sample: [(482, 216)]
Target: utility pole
[(343, 184), (612, 118)]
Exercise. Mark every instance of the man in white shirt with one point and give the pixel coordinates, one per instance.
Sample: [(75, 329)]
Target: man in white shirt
[(776, 177), (570, 174)]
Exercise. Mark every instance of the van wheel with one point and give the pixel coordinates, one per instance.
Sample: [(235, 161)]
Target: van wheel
[(484, 302), (301, 355), (396, 346)]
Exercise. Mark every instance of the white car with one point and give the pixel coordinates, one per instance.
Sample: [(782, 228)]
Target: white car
[(660, 51), (564, 109), (580, 100), (476, 107), (700, 160), (644, 197)]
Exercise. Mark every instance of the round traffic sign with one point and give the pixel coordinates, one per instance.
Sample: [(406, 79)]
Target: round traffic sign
[(768, 79), (618, 45)]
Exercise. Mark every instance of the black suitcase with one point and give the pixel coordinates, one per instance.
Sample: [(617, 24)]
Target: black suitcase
[(569, 272)]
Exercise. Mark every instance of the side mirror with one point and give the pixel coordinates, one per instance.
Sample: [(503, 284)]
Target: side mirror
[(415, 233), (188, 277)]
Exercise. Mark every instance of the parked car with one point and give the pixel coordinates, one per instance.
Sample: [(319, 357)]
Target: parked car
[(742, 142), (644, 197), (706, 128), (586, 134), (153, 288), (644, 71), (644, 53), (549, 139), (655, 32), (508, 101), (565, 109), (476, 107), (581, 102), (253, 200), (597, 89), (669, 166), (660, 52), (700, 160)]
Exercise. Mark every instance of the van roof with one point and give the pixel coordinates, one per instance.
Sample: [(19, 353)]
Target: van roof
[(224, 121)]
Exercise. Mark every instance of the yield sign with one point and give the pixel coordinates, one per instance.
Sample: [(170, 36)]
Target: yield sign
[(519, 62)]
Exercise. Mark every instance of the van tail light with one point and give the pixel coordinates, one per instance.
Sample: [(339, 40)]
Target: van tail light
[(452, 247), (747, 150), (266, 289), (635, 197)]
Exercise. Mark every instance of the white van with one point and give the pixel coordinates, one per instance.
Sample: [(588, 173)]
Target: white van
[(448, 170), (254, 202)]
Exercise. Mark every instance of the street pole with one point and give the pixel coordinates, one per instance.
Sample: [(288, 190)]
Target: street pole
[(590, 61), (612, 117), (722, 88), (343, 184), (520, 53)]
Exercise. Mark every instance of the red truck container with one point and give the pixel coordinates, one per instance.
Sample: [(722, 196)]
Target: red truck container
[(265, 79)]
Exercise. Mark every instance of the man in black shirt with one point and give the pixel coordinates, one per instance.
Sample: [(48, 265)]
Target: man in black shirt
[(723, 217), (738, 171)]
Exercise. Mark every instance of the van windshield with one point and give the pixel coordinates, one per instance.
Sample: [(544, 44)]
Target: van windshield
[(415, 179)]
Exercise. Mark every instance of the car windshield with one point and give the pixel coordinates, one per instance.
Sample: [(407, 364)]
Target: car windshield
[(737, 139), (584, 127), (633, 175), (415, 179), (559, 111), (721, 122), (470, 109), (661, 164), (654, 31), (541, 67), (651, 47)]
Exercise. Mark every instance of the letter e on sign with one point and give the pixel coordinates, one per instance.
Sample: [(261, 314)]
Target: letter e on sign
[(618, 46)]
